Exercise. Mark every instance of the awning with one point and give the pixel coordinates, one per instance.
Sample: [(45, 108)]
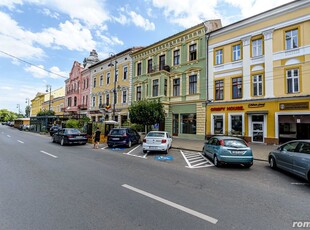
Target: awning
[(260, 112)]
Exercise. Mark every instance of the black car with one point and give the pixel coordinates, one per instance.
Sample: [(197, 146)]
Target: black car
[(54, 129), (123, 137), (69, 136)]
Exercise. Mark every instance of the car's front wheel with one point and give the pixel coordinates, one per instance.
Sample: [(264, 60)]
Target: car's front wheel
[(144, 151), (272, 163), (53, 139), (62, 141)]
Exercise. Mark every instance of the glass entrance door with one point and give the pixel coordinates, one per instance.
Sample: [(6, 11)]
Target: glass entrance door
[(258, 132), (175, 124)]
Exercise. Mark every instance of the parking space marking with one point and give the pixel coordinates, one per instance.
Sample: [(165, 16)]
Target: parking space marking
[(134, 155), (51, 155), (20, 142), (172, 204), (195, 160), (8, 135)]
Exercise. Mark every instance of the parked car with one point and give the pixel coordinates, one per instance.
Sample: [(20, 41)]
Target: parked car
[(294, 157), (123, 137), (228, 150), (69, 136), (54, 129), (157, 141)]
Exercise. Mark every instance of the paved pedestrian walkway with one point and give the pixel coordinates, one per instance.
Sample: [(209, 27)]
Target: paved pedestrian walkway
[(260, 151)]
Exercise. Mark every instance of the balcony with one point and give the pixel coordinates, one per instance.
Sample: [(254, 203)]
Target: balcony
[(157, 68), (82, 107)]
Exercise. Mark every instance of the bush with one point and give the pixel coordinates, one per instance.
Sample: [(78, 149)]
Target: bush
[(72, 123)]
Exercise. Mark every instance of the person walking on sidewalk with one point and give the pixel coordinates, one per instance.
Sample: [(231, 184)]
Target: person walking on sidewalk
[(97, 138)]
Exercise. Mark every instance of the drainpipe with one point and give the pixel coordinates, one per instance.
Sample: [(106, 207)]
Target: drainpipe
[(207, 79)]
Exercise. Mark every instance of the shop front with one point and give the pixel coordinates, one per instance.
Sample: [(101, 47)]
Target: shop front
[(265, 121)]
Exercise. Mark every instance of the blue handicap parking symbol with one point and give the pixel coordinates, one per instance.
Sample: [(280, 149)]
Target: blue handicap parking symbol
[(117, 149), (164, 158)]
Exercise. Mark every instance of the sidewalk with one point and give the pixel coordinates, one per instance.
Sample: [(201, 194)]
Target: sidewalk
[(260, 151)]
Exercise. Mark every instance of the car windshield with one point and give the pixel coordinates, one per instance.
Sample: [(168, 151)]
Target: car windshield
[(155, 134), (235, 143), (118, 132), (73, 131)]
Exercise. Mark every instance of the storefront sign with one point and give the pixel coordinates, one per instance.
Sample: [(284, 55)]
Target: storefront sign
[(294, 106), (256, 105), (228, 108)]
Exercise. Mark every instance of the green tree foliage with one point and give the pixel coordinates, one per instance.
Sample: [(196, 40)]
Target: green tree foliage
[(46, 113), (72, 123), (27, 111), (146, 112), (6, 115)]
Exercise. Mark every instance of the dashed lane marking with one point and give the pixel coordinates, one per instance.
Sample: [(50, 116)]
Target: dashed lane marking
[(172, 204), (51, 155), (8, 135), (195, 159), (20, 141), (134, 155)]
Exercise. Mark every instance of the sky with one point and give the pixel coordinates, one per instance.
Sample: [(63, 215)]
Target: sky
[(40, 39)]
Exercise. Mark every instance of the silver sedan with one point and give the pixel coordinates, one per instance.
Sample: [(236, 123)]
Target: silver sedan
[(294, 157)]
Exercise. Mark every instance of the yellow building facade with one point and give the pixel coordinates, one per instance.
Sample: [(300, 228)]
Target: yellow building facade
[(36, 104), (104, 103), (259, 76)]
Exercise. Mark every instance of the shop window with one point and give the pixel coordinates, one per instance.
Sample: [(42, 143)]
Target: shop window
[(188, 123), (236, 124), (237, 87), (218, 124), (292, 78)]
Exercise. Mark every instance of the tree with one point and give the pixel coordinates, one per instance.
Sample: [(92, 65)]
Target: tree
[(147, 112), (27, 111), (46, 113), (6, 115)]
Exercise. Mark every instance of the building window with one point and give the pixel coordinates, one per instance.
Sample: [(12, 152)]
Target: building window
[(149, 66), (219, 57), (236, 52), (237, 87), (291, 39), (94, 102), (101, 80), (292, 80), (165, 87), (87, 83), (108, 78), (139, 68), (161, 62), (176, 57), (218, 124), (124, 96), (257, 47), (69, 101), (219, 90), (155, 88), (138, 93), (125, 73), (94, 82), (193, 84), (86, 99), (257, 85), (83, 103), (84, 84), (75, 101), (176, 87), (188, 123), (100, 101), (107, 99), (236, 124), (192, 52)]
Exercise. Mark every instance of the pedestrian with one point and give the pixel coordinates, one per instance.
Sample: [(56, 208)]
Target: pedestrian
[(96, 138)]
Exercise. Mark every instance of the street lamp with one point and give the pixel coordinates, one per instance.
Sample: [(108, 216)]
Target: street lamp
[(49, 88), (114, 89), (18, 106)]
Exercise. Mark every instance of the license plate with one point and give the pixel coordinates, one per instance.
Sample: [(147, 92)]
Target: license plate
[(237, 152), (115, 139), (152, 147)]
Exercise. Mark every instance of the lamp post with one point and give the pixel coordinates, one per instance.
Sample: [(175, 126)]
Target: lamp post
[(114, 89), (18, 106), (49, 88)]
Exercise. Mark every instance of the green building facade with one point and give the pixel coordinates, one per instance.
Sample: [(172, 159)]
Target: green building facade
[(173, 70)]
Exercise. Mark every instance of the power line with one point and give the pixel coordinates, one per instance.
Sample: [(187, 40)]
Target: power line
[(32, 64)]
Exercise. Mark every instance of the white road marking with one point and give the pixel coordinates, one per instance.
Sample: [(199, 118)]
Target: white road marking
[(8, 135), (300, 183), (104, 147), (172, 204), (20, 141), (133, 155), (48, 154), (195, 160)]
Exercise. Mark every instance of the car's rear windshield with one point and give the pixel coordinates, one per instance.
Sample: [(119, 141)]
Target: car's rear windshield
[(73, 131), (118, 131), (155, 134), (235, 143)]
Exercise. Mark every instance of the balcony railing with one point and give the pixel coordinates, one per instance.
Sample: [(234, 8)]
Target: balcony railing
[(157, 68), (82, 107)]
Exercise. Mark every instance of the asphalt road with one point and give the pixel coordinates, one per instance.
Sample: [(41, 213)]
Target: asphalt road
[(47, 186)]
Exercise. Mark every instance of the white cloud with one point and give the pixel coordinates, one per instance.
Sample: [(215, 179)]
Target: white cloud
[(58, 73), (37, 71), (49, 13), (140, 21), (10, 3), (113, 40), (6, 88)]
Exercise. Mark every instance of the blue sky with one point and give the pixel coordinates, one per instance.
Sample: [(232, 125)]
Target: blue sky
[(52, 34)]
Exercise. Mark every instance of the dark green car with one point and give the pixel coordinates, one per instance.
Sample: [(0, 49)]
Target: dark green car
[(228, 150)]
